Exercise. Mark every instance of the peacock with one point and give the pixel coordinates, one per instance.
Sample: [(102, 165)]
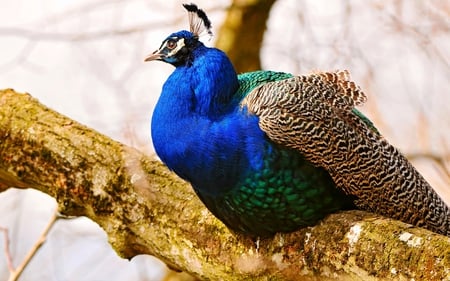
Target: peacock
[(270, 152)]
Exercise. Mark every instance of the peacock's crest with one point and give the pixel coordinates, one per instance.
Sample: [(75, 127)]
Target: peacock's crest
[(198, 20)]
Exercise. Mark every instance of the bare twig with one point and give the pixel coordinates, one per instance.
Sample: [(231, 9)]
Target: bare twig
[(16, 272), (7, 250)]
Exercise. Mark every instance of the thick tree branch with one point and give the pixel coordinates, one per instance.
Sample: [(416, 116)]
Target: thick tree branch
[(145, 209)]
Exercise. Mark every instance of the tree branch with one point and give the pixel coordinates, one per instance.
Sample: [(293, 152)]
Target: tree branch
[(241, 35), (145, 209)]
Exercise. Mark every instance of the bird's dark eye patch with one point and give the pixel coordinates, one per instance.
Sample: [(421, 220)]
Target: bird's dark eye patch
[(171, 44)]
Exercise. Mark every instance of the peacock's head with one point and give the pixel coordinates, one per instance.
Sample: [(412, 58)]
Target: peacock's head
[(177, 48)]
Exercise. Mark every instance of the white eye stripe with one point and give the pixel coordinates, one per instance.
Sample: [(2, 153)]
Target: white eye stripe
[(180, 44)]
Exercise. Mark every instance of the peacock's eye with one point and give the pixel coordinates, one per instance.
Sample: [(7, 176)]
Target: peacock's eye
[(171, 44)]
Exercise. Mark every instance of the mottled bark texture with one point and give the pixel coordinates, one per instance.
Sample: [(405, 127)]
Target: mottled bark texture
[(145, 209), (241, 35)]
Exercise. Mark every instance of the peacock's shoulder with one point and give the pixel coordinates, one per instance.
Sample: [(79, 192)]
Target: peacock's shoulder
[(250, 80)]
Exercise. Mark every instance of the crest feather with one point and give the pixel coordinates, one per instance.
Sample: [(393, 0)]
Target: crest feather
[(198, 20)]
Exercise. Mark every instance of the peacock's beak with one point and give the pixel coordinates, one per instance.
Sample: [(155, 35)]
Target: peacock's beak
[(156, 55)]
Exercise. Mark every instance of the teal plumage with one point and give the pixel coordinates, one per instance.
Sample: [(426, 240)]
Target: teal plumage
[(271, 152)]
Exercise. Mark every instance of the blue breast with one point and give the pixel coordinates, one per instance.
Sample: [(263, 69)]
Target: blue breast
[(198, 129)]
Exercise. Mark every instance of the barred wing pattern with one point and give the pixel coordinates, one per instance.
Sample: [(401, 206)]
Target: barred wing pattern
[(315, 115)]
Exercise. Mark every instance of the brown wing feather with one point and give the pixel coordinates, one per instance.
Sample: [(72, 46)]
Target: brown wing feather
[(313, 114)]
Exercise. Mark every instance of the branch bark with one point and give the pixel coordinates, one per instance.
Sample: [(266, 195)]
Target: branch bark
[(146, 209)]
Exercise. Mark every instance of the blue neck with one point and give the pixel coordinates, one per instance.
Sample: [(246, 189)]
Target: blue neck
[(205, 87)]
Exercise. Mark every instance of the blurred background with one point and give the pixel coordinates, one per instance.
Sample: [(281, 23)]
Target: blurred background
[(85, 60)]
